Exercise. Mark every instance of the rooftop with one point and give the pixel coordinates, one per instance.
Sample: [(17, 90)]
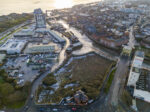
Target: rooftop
[(139, 54), (25, 32), (143, 95), (135, 68), (38, 11), (13, 46)]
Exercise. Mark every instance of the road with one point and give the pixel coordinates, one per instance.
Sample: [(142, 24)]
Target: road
[(8, 34), (119, 81), (121, 72), (131, 42)]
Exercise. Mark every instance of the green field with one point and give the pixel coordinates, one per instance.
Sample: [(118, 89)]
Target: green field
[(109, 82)]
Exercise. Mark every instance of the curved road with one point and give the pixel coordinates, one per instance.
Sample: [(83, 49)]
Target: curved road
[(62, 57)]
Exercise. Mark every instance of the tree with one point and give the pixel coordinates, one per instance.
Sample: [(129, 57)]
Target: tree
[(49, 80), (17, 96), (6, 89)]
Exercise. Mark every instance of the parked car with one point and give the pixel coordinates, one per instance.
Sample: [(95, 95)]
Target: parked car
[(55, 110), (74, 109)]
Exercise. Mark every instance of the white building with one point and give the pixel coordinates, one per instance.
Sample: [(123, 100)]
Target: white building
[(135, 68), (13, 46), (143, 95), (135, 72)]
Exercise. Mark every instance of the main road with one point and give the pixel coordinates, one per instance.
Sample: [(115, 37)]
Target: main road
[(119, 80), (117, 86)]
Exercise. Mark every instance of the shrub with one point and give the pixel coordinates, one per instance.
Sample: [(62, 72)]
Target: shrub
[(6, 89), (49, 80)]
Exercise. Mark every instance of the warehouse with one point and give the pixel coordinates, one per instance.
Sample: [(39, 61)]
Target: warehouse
[(135, 68), (49, 48), (13, 46), (24, 33), (56, 37)]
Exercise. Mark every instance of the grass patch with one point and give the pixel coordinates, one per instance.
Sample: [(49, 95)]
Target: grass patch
[(109, 82), (49, 80), (17, 105), (126, 98), (4, 36), (1, 80)]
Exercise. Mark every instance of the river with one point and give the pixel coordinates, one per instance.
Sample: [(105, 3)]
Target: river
[(88, 45), (20, 6)]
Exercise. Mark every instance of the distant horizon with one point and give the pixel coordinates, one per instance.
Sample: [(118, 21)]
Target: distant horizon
[(27, 6)]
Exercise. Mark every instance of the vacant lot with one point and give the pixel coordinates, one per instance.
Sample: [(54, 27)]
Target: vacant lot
[(86, 73)]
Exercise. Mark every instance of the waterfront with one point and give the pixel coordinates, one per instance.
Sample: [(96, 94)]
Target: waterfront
[(21, 6)]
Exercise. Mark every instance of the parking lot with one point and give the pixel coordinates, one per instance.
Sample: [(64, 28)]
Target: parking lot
[(18, 69), (28, 67)]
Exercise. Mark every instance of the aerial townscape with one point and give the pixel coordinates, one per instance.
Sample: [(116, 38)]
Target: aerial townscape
[(92, 57)]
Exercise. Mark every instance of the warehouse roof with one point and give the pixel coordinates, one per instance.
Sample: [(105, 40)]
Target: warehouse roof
[(12, 45), (143, 95)]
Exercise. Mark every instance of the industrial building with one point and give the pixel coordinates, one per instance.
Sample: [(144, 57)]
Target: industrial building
[(13, 46), (24, 33), (40, 18), (135, 68), (136, 80), (48, 48), (141, 94), (56, 37)]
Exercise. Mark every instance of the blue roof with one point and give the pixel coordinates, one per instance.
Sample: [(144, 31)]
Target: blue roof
[(38, 11), (58, 38)]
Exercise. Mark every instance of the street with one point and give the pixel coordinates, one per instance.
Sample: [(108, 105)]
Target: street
[(119, 80)]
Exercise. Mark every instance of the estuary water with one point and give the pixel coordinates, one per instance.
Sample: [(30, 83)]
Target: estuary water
[(20, 6)]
